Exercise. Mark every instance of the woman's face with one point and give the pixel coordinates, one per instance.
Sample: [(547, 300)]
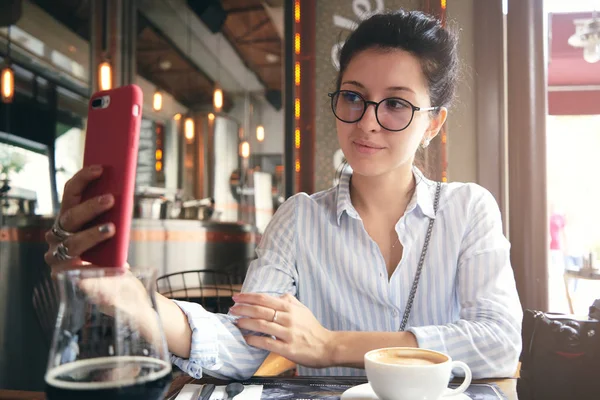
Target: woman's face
[(370, 149)]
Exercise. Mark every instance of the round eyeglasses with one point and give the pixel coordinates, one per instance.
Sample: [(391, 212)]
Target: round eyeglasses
[(393, 114)]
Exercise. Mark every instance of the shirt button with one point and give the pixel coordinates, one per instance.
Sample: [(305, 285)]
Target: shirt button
[(394, 313)]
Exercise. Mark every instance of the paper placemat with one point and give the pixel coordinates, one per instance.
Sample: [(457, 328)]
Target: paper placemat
[(251, 392)]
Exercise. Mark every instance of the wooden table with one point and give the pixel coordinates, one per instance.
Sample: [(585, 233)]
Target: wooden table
[(18, 395)]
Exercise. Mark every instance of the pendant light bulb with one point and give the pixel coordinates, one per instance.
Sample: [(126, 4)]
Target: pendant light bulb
[(245, 149), (189, 129), (8, 84), (157, 101), (260, 133), (105, 76), (218, 99)]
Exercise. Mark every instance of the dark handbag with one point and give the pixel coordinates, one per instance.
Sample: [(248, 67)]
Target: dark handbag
[(561, 356)]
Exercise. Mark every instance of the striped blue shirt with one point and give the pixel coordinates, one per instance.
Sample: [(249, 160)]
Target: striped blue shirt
[(317, 249)]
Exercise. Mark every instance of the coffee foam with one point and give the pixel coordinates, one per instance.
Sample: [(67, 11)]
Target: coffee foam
[(409, 357), (405, 361)]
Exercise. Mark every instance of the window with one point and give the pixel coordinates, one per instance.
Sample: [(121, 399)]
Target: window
[(26, 165)]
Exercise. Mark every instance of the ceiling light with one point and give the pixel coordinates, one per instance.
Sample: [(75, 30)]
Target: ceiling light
[(218, 99), (105, 76), (260, 133), (271, 58), (189, 129), (157, 101), (245, 149), (165, 65), (7, 84)]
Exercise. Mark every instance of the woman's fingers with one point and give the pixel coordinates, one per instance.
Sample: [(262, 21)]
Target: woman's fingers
[(259, 312), (80, 242), (262, 299), (51, 238), (77, 216), (85, 240), (76, 185)]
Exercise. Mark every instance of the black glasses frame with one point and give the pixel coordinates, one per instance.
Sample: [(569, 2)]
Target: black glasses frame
[(366, 104)]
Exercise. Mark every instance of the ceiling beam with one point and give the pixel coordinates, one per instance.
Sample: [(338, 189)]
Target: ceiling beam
[(263, 49), (276, 64), (263, 40), (152, 50), (254, 29), (240, 10), (182, 72), (218, 57)]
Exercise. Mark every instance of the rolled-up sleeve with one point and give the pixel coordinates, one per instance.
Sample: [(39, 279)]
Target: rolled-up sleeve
[(218, 346), (488, 334)]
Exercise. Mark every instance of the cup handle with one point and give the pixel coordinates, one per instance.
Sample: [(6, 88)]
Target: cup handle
[(466, 382)]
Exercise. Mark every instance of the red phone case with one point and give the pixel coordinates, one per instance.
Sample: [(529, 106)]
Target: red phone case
[(112, 141)]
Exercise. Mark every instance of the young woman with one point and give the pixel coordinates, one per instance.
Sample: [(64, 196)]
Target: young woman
[(385, 258)]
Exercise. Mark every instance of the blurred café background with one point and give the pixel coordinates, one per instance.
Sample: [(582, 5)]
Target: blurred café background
[(236, 119)]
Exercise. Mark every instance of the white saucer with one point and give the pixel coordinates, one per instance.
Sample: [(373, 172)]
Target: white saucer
[(364, 392)]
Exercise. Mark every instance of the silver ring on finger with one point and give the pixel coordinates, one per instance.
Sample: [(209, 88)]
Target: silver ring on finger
[(274, 317), (60, 232), (61, 253)]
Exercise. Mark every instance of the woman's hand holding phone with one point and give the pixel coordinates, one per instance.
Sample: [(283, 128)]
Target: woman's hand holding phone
[(74, 215)]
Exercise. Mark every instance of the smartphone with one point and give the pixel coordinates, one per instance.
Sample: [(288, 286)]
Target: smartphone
[(112, 137)]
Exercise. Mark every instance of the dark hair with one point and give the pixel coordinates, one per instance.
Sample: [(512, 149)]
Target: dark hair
[(414, 32)]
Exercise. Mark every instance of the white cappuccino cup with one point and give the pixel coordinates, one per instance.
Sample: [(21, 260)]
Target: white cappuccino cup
[(403, 373)]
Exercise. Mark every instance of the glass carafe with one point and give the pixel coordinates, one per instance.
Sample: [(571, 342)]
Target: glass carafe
[(108, 340)]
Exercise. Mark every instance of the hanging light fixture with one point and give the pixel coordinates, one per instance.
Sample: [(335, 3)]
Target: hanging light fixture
[(189, 129), (218, 92), (105, 76), (157, 101), (7, 77), (587, 36), (245, 149), (177, 117), (211, 117), (260, 133)]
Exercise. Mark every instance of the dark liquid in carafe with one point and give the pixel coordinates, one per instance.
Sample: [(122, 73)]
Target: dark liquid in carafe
[(134, 378)]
